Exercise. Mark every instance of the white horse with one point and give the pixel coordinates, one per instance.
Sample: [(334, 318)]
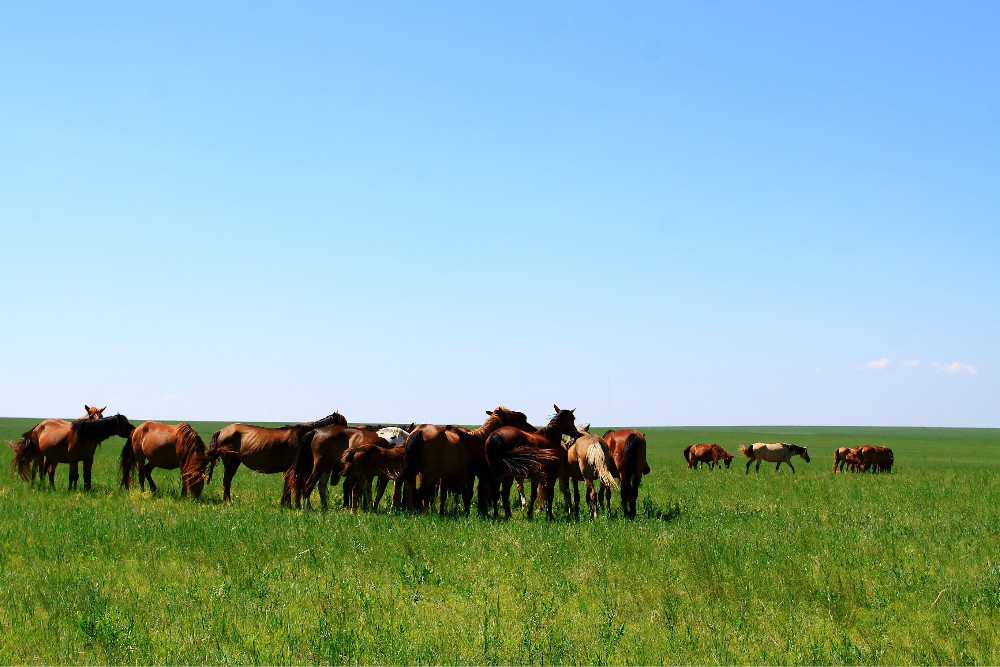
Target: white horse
[(394, 435), (781, 452)]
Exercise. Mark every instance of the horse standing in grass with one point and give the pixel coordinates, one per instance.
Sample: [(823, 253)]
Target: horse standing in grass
[(155, 445), (55, 441), (544, 475), (711, 453), (321, 453), (49, 467), (628, 448), (453, 457), (875, 458), (362, 464), (781, 452), (587, 458), (265, 450)]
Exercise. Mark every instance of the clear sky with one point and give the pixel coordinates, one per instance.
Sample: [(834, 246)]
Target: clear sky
[(663, 213)]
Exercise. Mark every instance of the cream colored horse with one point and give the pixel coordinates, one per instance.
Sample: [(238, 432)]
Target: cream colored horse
[(780, 452), (587, 458)]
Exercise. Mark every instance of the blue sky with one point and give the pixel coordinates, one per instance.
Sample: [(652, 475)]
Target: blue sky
[(658, 213)]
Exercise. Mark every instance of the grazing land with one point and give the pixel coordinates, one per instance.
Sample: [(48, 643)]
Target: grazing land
[(719, 567)]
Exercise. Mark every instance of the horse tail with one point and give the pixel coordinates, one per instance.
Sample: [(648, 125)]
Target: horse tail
[(687, 452), (126, 462), (213, 455), (599, 457), (414, 449), (25, 451), (302, 468), (347, 460), (630, 452), (747, 452), (193, 457)]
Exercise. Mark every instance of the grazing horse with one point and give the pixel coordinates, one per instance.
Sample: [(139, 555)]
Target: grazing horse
[(711, 453), (876, 459), (544, 475), (781, 452), (587, 458), (628, 448), (453, 457), (155, 445), (265, 450), (55, 441)]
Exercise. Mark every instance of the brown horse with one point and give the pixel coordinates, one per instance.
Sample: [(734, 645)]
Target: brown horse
[(156, 445), (875, 459), (55, 441), (49, 467), (265, 450), (628, 448), (543, 476), (711, 453), (846, 456), (320, 454), (362, 464), (589, 459), (453, 457)]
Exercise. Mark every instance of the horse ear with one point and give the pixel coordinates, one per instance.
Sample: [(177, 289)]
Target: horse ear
[(556, 408), (573, 410), (103, 409), (86, 408), (488, 412)]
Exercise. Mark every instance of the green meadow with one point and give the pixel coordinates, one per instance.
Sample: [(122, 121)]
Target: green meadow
[(719, 568)]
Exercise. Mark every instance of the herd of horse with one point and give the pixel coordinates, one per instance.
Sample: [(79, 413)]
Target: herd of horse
[(421, 460), (424, 462)]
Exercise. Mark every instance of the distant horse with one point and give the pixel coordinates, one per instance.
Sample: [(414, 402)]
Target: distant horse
[(265, 450), (453, 457), (543, 477), (55, 441), (844, 456), (781, 452), (155, 445), (711, 453), (628, 448), (587, 458), (876, 459)]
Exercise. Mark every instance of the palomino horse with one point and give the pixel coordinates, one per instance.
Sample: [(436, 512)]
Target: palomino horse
[(156, 445), (587, 458), (545, 472), (453, 457), (265, 450), (781, 452), (846, 456), (55, 441), (628, 448), (710, 453)]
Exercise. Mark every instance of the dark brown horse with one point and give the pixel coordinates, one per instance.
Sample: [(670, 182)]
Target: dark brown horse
[(364, 463), (628, 448), (710, 453), (265, 450), (452, 457), (55, 441), (543, 476), (156, 445), (321, 453)]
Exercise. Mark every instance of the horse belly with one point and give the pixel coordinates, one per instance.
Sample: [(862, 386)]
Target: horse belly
[(268, 461)]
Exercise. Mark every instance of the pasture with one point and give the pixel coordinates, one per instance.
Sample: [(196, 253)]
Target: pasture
[(719, 567)]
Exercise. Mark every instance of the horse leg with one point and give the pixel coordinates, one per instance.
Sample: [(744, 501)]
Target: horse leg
[(379, 491), (50, 469), (230, 465), (149, 478), (757, 467), (591, 499), (531, 500), (505, 498), (520, 492), (576, 499), (789, 463), (777, 466), (88, 466), (748, 465), (74, 474)]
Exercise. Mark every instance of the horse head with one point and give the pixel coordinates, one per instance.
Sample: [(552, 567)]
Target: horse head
[(123, 427), (728, 458), (92, 412), (510, 417), (565, 421)]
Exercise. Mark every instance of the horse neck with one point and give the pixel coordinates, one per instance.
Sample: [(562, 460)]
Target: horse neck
[(97, 430), (552, 433), (491, 424)]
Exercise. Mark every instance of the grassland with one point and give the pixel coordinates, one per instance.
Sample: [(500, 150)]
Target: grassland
[(720, 567)]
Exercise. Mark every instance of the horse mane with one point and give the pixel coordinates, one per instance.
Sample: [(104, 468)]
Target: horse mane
[(334, 418), (88, 426), (796, 449)]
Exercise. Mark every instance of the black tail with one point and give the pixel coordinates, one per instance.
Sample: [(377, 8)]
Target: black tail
[(213, 455), (633, 443), (25, 452), (414, 449), (303, 467), (126, 463)]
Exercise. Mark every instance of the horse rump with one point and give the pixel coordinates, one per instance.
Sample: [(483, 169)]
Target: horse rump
[(126, 463), (747, 451), (26, 452)]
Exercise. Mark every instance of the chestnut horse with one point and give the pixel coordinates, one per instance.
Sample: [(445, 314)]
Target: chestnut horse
[(846, 456), (587, 458), (156, 445), (55, 441), (265, 450), (320, 454), (453, 457), (711, 453), (543, 476), (628, 448), (781, 452), (875, 458), (49, 468), (362, 464)]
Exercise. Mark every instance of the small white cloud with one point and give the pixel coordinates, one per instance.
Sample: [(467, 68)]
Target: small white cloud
[(955, 368), (875, 365), (911, 364)]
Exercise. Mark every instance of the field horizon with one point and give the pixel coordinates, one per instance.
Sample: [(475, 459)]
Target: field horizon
[(719, 567)]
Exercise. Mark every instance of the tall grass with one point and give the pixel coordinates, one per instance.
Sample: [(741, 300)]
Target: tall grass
[(720, 567)]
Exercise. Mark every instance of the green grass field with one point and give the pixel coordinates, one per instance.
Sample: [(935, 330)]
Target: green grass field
[(720, 567)]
